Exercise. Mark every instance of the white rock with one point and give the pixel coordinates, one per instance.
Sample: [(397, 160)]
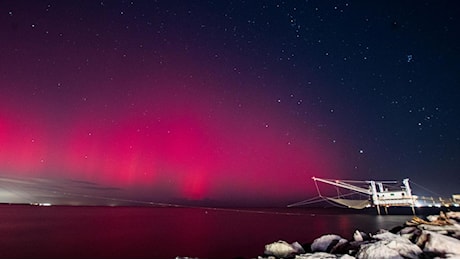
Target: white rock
[(279, 249), (389, 246), (402, 245), (388, 236), (438, 243), (323, 255), (453, 214), (385, 235), (377, 250), (432, 217), (282, 249), (324, 242), (317, 255), (405, 249)]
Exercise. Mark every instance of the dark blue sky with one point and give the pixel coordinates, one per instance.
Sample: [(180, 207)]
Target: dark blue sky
[(230, 100)]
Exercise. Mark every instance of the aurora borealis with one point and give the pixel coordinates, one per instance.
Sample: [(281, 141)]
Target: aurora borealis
[(229, 101)]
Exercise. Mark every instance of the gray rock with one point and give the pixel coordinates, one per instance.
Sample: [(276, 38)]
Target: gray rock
[(298, 248), (389, 245), (327, 243), (411, 233), (360, 236), (378, 250), (323, 255), (439, 244), (407, 230), (388, 249)]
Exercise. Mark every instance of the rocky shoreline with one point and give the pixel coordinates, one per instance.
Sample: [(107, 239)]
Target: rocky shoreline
[(437, 236)]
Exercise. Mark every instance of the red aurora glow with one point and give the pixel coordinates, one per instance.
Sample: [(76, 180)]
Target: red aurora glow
[(179, 143)]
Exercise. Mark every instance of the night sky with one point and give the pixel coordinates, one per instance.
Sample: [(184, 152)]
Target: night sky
[(240, 101)]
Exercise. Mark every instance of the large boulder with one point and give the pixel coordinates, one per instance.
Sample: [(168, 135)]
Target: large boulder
[(389, 245), (438, 244), (283, 249), (327, 243), (386, 249), (377, 250)]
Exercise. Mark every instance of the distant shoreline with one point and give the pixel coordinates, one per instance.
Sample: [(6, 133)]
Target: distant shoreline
[(419, 211)]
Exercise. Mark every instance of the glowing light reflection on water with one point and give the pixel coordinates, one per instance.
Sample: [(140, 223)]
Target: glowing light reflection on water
[(145, 232)]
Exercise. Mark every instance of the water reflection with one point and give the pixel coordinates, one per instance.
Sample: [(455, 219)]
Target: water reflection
[(130, 232)]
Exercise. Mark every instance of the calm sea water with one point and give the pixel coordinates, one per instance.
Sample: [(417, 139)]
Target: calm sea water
[(145, 232)]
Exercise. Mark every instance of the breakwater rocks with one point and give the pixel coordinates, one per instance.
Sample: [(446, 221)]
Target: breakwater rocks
[(437, 236)]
